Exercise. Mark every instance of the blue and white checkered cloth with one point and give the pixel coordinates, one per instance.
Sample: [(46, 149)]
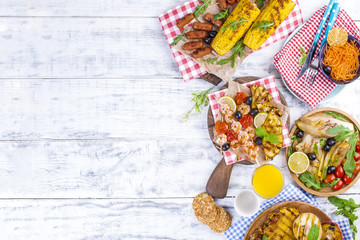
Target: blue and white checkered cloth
[(290, 193)]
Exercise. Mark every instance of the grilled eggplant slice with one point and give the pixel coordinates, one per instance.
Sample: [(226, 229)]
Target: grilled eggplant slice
[(304, 223)]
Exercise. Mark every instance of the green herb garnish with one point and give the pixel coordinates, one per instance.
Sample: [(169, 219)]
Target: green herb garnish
[(234, 24), (200, 9), (221, 15), (238, 49), (263, 25), (350, 164), (260, 3), (322, 142), (314, 233), (270, 137), (316, 149), (179, 37), (264, 237), (200, 99), (331, 162), (336, 115), (293, 138), (341, 132), (347, 208), (309, 180), (302, 57), (210, 60), (333, 183)]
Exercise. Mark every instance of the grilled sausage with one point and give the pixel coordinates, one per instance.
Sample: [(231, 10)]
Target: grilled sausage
[(222, 4), (230, 1), (193, 45), (185, 20), (195, 34), (201, 52), (210, 18), (202, 26)]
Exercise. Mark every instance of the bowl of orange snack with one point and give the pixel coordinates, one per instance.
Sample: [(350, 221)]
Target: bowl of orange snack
[(340, 57)]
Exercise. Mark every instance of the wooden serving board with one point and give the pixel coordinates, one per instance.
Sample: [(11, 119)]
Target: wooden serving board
[(324, 192), (218, 182), (301, 206)]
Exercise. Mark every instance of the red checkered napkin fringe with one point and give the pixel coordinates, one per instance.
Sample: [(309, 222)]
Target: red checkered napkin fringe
[(287, 60), (189, 69), (270, 84)]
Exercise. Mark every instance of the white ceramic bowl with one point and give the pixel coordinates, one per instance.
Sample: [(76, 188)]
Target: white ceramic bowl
[(246, 203)]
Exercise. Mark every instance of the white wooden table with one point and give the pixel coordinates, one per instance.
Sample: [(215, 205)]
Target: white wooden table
[(92, 145)]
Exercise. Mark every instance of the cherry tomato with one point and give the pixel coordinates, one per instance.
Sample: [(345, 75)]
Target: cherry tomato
[(357, 156), (346, 179), (358, 147), (231, 135), (230, 1), (357, 169), (338, 186), (240, 98), (246, 120), (221, 127), (329, 178), (339, 172)]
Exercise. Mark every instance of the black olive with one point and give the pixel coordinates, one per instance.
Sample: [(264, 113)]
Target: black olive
[(208, 40), (212, 34), (225, 147), (254, 111), (327, 69), (332, 224), (311, 156), (248, 100), (331, 170), (238, 115), (300, 133), (331, 142), (326, 148), (258, 141)]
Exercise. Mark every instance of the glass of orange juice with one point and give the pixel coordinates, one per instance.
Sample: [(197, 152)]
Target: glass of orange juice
[(267, 181)]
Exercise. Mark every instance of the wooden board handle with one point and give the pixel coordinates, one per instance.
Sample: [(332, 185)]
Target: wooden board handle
[(218, 182)]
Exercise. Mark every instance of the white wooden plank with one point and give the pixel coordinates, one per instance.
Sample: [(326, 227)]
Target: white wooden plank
[(111, 219), (115, 8)]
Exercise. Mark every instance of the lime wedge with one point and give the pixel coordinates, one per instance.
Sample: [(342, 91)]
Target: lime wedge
[(298, 162), (229, 101), (260, 119)]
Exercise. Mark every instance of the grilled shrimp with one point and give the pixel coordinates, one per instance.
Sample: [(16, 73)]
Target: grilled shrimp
[(220, 139), (250, 149), (243, 136), (243, 108), (224, 108), (229, 116), (235, 144), (236, 126), (251, 132), (253, 153)]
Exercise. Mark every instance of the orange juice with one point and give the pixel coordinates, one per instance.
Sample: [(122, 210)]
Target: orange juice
[(267, 181)]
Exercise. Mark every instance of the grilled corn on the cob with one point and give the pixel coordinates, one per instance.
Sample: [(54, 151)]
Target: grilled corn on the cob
[(275, 12), (227, 36)]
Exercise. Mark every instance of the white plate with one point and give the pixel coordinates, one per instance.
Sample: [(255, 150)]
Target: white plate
[(332, 94)]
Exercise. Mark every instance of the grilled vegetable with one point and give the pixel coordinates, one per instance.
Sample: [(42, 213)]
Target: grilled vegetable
[(304, 223), (331, 231), (275, 12), (272, 124), (260, 94), (280, 223), (228, 36)]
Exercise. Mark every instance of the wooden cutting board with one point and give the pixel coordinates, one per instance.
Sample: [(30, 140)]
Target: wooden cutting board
[(218, 182)]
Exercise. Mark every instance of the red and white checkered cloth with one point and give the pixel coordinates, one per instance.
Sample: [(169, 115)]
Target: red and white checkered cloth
[(287, 60), (189, 69), (270, 84)]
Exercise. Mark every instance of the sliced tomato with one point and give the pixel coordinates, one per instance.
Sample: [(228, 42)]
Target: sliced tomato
[(357, 169), (339, 172), (338, 186), (221, 127), (357, 156), (347, 179), (231, 135), (246, 120), (240, 98), (358, 147), (329, 178)]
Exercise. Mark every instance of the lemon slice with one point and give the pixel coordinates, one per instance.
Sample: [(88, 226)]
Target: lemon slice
[(260, 119), (298, 162), (229, 101), (337, 37)]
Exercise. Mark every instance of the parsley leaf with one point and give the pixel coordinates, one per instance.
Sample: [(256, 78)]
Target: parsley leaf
[(309, 180), (234, 24), (210, 60), (336, 115), (314, 233), (199, 99), (263, 25), (221, 15), (179, 37), (200, 9)]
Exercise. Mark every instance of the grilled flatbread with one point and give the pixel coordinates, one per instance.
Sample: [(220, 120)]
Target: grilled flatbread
[(273, 124)]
